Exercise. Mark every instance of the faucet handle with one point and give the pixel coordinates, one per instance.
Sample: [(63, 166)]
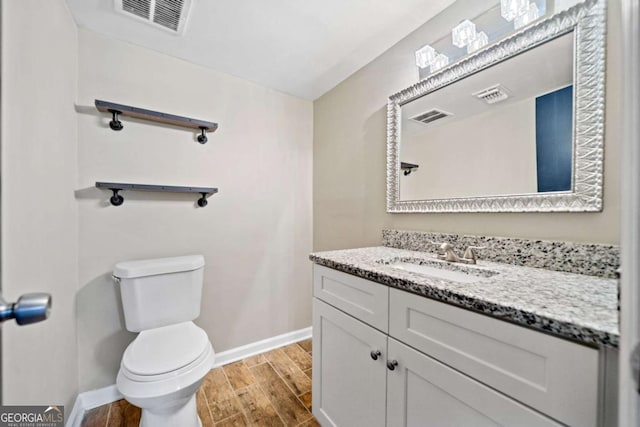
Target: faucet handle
[(470, 252), (448, 254), (445, 246)]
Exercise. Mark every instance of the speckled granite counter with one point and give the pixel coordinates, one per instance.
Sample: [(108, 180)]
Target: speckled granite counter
[(573, 306)]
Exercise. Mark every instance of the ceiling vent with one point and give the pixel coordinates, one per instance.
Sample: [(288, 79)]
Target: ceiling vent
[(493, 94), (431, 116), (170, 15)]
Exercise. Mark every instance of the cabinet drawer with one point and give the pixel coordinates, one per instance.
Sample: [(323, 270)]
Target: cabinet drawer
[(552, 375), (425, 392), (365, 300)]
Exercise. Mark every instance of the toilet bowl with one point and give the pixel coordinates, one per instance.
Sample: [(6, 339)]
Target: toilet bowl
[(165, 365)]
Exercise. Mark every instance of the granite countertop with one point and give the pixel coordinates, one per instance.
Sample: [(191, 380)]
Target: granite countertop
[(573, 306)]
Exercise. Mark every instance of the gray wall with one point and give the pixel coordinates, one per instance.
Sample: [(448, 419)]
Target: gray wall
[(39, 212), (255, 234), (349, 155)]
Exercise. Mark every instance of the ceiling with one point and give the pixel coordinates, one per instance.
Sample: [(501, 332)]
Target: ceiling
[(300, 47)]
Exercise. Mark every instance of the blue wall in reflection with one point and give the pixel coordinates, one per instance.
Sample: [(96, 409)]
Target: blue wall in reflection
[(554, 142)]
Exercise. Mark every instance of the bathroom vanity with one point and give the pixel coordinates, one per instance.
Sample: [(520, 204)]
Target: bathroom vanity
[(401, 338), (527, 336)]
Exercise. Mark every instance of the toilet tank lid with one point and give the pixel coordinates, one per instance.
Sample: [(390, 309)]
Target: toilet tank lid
[(151, 267)]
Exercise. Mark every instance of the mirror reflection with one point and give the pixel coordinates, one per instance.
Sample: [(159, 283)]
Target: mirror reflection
[(506, 130)]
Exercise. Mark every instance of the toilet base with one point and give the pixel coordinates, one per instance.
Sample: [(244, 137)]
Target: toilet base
[(183, 413)]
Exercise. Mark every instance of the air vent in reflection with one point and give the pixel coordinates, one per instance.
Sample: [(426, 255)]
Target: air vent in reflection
[(166, 14), (431, 116), (493, 94)]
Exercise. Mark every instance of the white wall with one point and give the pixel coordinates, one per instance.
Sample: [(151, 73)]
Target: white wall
[(39, 212), (255, 234), (349, 155)]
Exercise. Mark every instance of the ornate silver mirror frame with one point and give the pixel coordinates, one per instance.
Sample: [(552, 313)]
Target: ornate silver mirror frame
[(588, 21)]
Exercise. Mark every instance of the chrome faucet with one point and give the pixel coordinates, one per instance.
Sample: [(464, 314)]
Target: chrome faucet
[(448, 254)]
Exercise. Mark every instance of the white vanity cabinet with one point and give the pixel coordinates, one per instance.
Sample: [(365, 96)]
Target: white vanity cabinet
[(385, 357), (349, 387)]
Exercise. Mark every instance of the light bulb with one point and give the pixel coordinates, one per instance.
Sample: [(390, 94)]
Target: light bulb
[(478, 42), (439, 62), (462, 33), (511, 9), (425, 56), (529, 15)]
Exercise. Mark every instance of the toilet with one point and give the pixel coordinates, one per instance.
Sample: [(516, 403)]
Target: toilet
[(162, 369)]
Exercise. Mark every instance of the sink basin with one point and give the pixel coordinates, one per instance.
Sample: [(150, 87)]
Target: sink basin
[(441, 270)]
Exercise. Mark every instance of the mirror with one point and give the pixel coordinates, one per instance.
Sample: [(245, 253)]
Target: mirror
[(515, 127)]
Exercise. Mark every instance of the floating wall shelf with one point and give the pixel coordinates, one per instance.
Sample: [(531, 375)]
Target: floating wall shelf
[(117, 199), (140, 113), (408, 167)]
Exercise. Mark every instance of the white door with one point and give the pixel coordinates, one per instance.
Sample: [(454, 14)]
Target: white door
[(629, 407), (349, 374), (422, 392)]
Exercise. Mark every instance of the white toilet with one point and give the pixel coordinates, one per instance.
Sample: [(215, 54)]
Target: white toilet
[(162, 369)]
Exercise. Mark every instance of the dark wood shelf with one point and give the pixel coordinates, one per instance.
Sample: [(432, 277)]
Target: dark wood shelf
[(117, 199), (155, 116)]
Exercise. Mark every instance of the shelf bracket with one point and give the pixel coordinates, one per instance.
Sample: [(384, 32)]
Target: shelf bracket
[(202, 201), (115, 123), (116, 199), (202, 138)]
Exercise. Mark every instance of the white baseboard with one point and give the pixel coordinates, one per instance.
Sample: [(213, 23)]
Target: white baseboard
[(89, 400), (94, 398), (74, 418), (239, 353)]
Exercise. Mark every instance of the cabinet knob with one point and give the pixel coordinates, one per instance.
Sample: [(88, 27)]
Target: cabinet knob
[(375, 354), (391, 364)]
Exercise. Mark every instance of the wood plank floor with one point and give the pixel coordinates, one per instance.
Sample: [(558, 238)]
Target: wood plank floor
[(269, 389)]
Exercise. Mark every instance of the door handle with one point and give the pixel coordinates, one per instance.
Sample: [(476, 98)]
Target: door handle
[(30, 308)]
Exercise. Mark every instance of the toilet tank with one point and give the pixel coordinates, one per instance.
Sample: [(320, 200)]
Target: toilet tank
[(160, 292)]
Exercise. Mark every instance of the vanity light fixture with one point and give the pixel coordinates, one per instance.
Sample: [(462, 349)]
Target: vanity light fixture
[(479, 41), (441, 61), (521, 12), (529, 16), (425, 56), (463, 33), (511, 9)]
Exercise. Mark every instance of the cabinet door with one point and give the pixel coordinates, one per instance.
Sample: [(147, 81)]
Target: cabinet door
[(423, 392), (349, 386)]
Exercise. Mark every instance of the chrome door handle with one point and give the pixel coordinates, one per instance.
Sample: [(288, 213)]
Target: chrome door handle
[(30, 308)]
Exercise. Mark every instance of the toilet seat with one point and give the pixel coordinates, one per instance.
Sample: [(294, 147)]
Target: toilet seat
[(160, 351), (169, 377), (202, 358)]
